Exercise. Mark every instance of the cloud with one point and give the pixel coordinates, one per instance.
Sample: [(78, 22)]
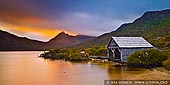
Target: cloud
[(90, 17), (93, 24)]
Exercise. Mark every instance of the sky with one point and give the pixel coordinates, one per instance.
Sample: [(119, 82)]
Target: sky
[(44, 19)]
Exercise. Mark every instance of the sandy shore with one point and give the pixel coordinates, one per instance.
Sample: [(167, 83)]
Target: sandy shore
[(154, 74)]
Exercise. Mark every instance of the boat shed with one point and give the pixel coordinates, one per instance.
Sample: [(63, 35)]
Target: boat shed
[(119, 48)]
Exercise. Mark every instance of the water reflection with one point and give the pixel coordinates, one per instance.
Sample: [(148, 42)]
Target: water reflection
[(25, 68), (123, 72)]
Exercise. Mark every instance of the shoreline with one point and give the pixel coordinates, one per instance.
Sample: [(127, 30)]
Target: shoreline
[(152, 74)]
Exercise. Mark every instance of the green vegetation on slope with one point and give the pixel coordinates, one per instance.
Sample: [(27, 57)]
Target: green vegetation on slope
[(162, 43), (152, 25)]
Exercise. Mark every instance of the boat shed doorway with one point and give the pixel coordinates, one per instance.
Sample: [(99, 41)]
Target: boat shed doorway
[(117, 55), (114, 55)]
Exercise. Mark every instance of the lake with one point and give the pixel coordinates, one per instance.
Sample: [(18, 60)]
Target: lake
[(26, 68)]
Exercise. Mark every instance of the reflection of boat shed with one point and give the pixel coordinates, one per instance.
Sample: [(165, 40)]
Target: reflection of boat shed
[(119, 48)]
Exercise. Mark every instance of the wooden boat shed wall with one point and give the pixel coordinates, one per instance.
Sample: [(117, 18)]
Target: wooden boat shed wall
[(119, 48)]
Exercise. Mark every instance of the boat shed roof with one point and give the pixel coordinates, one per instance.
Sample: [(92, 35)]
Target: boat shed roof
[(131, 42)]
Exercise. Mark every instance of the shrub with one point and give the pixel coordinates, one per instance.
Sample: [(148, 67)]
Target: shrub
[(147, 58), (77, 57), (101, 52), (55, 54), (67, 54), (166, 64), (97, 51)]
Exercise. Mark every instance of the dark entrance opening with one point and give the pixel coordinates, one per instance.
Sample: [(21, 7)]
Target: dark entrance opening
[(117, 55), (110, 55)]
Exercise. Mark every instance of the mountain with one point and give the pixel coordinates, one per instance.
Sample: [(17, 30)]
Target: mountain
[(101, 40), (12, 42), (66, 40), (151, 25)]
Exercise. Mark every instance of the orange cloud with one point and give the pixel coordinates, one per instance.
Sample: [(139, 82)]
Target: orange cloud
[(28, 23), (32, 32), (44, 32)]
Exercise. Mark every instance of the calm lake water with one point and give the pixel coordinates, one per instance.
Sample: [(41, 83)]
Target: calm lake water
[(25, 68)]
